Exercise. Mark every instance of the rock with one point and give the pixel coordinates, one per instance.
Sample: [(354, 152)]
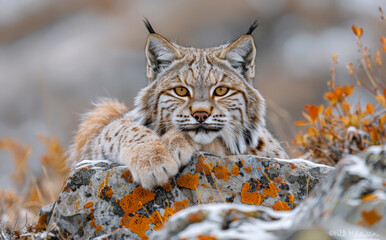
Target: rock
[(348, 204), (46, 212), (99, 197)]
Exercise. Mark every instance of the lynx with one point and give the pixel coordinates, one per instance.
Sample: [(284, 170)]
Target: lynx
[(196, 99)]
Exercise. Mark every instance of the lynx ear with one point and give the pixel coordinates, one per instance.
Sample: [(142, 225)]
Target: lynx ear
[(160, 54), (241, 56)]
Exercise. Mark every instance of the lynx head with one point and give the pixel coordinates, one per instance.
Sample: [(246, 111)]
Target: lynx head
[(207, 93)]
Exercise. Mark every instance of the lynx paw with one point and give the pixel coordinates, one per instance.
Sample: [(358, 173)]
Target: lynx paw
[(180, 146), (150, 164)]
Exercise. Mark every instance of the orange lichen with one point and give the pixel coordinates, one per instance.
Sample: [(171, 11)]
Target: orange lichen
[(222, 172), (188, 181), (88, 205), (278, 180), (242, 162), (181, 205), (196, 217), (76, 205), (235, 171), (293, 166), (248, 169), (106, 192), (104, 182), (258, 168), (127, 176), (67, 189), (371, 217), (92, 223), (98, 228), (250, 198), (203, 167), (270, 190), (157, 220), (167, 187), (291, 198), (283, 206), (369, 197), (206, 237), (204, 185), (138, 224), (132, 202)]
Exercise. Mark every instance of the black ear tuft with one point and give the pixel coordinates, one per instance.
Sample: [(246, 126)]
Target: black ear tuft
[(148, 25), (254, 25)]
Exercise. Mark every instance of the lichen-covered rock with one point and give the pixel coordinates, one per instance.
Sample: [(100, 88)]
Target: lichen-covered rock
[(355, 195), (349, 204), (99, 197)]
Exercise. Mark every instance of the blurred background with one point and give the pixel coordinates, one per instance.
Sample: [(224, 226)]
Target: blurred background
[(56, 57)]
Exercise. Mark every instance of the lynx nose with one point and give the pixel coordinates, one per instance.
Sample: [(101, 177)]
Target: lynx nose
[(200, 116)]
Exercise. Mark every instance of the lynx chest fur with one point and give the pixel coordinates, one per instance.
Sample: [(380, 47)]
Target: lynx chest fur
[(197, 99)]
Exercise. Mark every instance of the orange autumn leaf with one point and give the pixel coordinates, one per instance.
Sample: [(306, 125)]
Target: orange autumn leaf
[(320, 109), (357, 31), (381, 99), (383, 40), (338, 94), (328, 111), (312, 132), (312, 111), (302, 123), (369, 108), (331, 97), (348, 90)]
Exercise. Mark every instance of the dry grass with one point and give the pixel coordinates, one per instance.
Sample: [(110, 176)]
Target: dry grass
[(19, 208)]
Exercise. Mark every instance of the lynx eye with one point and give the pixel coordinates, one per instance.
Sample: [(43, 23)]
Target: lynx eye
[(220, 91), (181, 91)]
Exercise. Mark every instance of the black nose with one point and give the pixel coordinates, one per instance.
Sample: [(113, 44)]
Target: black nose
[(200, 116)]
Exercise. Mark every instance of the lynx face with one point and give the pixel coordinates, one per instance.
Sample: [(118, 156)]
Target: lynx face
[(206, 93)]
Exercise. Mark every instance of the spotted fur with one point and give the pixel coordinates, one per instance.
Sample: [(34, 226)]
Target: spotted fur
[(161, 132)]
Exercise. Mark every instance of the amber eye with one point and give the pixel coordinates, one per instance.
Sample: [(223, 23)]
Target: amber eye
[(181, 91), (221, 91)]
